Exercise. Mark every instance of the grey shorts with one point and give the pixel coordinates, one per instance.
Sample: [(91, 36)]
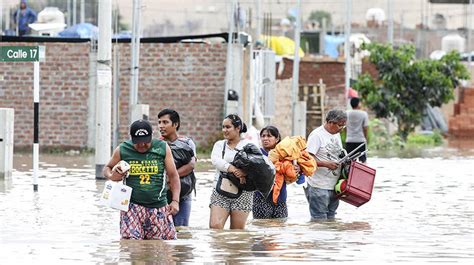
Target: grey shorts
[(242, 203)]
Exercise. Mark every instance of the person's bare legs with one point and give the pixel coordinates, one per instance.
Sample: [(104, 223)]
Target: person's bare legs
[(238, 219), (218, 217)]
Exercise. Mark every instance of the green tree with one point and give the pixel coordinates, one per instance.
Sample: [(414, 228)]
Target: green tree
[(405, 85), (318, 16)]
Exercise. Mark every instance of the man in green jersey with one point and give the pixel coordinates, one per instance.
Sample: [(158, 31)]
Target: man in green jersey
[(149, 215)]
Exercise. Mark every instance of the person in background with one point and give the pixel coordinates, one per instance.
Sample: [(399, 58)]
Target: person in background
[(222, 155), (324, 143), (23, 17), (169, 123), (264, 208), (357, 129), (149, 215)]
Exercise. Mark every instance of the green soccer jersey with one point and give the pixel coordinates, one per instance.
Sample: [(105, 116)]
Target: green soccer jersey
[(146, 173)]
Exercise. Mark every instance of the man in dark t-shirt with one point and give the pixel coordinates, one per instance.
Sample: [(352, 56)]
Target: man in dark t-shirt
[(169, 123)]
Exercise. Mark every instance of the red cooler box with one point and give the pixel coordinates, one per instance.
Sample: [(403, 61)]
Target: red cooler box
[(360, 184)]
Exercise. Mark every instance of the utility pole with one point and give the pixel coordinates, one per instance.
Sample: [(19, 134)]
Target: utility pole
[(17, 19), (83, 13), (7, 17), (296, 68), (229, 69), (104, 88), (402, 25), (258, 31), (74, 12), (390, 22), (347, 47), (134, 66), (69, 13), (469, 37)]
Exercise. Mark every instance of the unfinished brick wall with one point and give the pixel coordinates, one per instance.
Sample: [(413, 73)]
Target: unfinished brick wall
[(187, 77)]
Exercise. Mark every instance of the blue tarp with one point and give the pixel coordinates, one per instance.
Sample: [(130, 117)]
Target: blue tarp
[(123, 35), (331, 44), (81, 30)]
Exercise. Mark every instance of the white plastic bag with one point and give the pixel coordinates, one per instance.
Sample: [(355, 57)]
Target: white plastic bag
[(117, 195)]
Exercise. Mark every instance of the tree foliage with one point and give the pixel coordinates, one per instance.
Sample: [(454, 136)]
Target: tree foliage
[(405, 85), (319, 15)]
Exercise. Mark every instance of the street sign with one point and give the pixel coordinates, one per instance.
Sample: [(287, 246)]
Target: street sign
[(33, 54), (19, 53)]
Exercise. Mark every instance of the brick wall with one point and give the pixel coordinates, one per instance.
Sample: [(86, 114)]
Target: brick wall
[(461, 123), (187, 77), (282, 118), (63, 95)]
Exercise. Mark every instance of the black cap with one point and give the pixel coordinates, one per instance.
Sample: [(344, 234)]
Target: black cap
[(141, 131)]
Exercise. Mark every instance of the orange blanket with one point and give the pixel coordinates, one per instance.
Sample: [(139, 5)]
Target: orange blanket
[(283, 155)]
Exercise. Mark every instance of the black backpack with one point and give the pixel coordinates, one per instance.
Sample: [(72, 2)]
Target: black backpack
[(182, 155)]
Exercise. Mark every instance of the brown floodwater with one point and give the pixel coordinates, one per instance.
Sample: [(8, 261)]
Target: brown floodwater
[(421, 210)]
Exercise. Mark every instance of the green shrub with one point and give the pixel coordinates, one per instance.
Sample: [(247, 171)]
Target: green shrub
[(379, 139), (206, 148), (434, 139)]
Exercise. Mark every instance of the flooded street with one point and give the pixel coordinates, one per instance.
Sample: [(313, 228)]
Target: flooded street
[(422, 210)]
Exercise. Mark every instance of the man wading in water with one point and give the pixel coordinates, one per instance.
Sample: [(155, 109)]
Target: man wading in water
[(149, 215)]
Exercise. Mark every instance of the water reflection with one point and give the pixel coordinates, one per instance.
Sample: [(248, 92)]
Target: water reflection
[(421, 210), (148, 251), (5, 185)]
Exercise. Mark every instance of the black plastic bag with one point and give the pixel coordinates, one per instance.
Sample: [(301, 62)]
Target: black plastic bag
[(182, 155), (260, 175)]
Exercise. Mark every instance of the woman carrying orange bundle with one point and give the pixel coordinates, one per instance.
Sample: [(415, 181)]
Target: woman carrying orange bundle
[(264, 208)]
